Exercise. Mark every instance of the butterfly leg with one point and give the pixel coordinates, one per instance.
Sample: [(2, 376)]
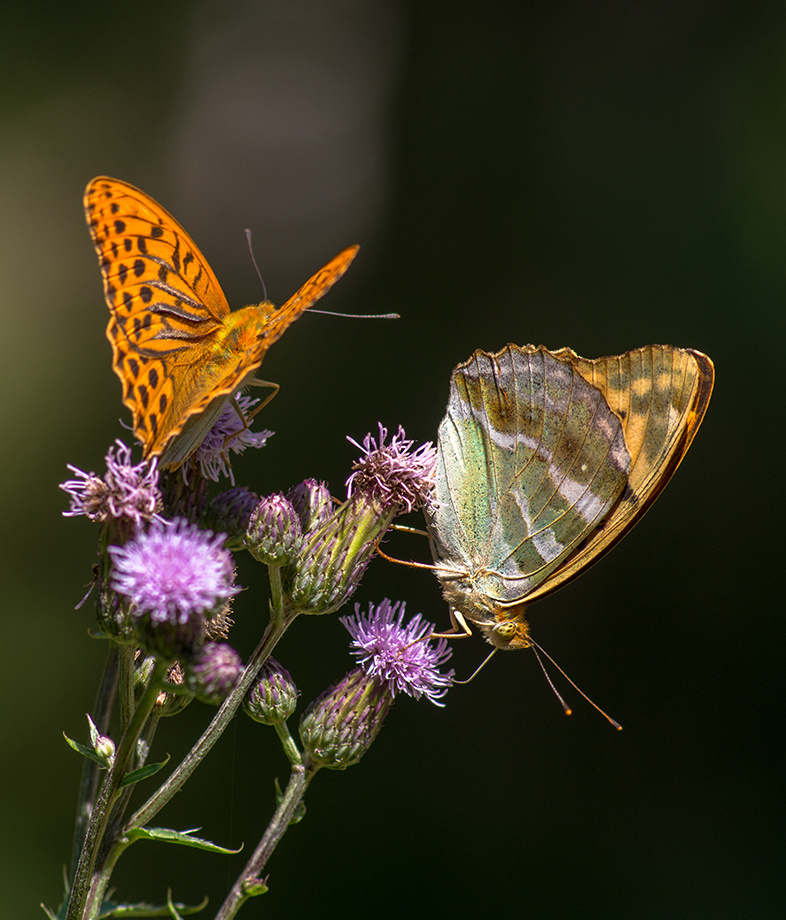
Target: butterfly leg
[(262, 383), (460, 628), (247, 419)]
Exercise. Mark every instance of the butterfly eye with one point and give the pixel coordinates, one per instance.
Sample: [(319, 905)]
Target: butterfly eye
[(510, 634)]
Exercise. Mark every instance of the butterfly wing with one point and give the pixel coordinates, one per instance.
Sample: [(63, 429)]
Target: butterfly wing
[(241, 346), (530, 460), (166, 304), (177, 348), (313, 290), (660, 394)]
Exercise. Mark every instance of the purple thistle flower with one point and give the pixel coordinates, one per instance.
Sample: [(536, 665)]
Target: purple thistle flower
[(126, 491), (172, 572), (393, 474), (400, 656), (228, 433)]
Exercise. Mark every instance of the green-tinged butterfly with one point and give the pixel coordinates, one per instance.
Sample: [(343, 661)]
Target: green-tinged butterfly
[(546, 460)]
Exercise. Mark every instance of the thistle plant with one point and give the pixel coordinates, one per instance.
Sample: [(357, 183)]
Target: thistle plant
[(163, 588)]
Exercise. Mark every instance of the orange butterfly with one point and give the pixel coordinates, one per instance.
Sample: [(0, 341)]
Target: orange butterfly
[(178, 350)]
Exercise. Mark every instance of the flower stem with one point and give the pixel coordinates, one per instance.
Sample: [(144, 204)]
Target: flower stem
[(85, 900), (242, 890), (275, 630), (88, 788), (126, 684), (288, 743)]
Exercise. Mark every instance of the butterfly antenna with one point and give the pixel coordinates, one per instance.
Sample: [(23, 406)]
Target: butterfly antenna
[(568, 711), (359, 315), (537, 648), (254, 261)]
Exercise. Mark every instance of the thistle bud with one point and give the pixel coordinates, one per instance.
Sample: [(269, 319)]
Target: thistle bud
[(274, 531), (212, 672), (312, 503), (103, 745), (273, 697), (388, 479), (334, 557), (340, 725), (230, 513)]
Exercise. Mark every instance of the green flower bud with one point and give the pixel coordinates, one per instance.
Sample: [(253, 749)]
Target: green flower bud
[(312, 503), (212, 672), (230, 513), (273, 697), (274, 531), (334, 557), (103, 745), (340, 725)]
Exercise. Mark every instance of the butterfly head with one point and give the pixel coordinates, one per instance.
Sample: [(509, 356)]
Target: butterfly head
[(510, 630)]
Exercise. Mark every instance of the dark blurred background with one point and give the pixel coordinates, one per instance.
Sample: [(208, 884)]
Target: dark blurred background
[(602, 175)]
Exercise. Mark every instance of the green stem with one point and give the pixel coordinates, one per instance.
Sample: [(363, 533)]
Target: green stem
[(85, 900), (126, 685), (88, 788), (288, 743), (242, 890), (275, 630), (276, 587)]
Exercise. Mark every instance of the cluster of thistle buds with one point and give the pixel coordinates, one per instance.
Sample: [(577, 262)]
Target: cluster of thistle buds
[(320, 552), (339, 726), (166, 586)]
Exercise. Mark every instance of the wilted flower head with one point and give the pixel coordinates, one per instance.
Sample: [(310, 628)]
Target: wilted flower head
[(126, 491), (170, 702), (175, 576), (394, 473), (228, 433), (400, 655)]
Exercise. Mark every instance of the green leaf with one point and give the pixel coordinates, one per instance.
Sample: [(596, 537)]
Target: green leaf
[(143, 772), (252, 887), (143, 909), (84, 751), (184, 838)]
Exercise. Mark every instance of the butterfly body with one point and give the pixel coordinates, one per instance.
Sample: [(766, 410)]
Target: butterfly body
[(545, 460), (178, 350)]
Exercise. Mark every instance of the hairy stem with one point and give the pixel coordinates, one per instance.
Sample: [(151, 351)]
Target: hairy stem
[(88, 787), (85, 900), (275, 630), (242, 890)]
